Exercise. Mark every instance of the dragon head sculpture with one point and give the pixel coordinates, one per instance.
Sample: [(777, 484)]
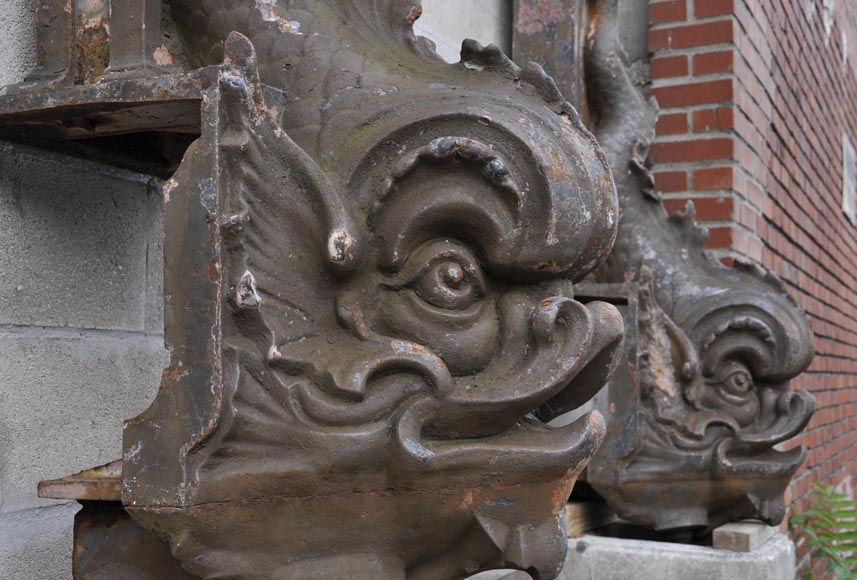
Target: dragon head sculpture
[(393, 252), (699, 410)]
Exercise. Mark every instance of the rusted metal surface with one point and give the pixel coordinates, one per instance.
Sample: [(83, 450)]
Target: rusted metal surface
[(368, 296), (144, 124), (55, 32), (700, 406), (103, 483), (78, 42), (344, 369), (92, 49), (552, 33), (110, 545), (135, 39)]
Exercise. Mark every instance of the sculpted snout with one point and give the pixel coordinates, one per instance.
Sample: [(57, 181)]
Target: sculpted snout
[(555, 355)]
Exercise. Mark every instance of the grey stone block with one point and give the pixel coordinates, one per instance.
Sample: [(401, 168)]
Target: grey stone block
[(17, 40), (63, 396), (36, 544), (73, 240), (592, 557)]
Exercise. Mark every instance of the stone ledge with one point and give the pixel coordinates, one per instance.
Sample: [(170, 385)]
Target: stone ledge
[(615, 559)]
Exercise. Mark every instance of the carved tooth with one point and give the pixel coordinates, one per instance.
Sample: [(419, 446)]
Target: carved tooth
[(246, 295), (477, 57), (534, 75)]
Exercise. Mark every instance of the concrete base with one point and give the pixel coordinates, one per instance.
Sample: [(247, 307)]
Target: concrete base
[(614, 559)]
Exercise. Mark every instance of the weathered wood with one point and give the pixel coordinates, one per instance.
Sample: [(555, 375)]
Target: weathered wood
[(584, 516), (103, 483), (742, 536)]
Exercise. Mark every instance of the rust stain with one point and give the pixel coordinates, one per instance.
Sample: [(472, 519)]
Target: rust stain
[(103, 483), (162, 56), (93, 52), (214, 271), (413, 14), (176, 374), (533, 15)]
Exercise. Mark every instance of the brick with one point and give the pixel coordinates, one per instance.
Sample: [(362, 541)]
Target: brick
[(708, 63), (691, 94), (691, 36), (712, 178), (670, 181), (670, 11), (669, 67), (707, 208), (710, 8), (673, 205), (719, 238), (719, 119), (699, 150), (672, 124)]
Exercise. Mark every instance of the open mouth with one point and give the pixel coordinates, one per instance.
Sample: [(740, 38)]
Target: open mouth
[(555, 357), (503, 412), (753, 452)]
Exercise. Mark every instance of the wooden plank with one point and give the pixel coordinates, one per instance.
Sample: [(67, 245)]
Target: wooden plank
[(583, 516), (103, 483), (742, 536)]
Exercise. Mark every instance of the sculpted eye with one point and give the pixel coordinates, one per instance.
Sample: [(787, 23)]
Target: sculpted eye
[(738, 382), (735, 382), (449, 284), (445, 275)]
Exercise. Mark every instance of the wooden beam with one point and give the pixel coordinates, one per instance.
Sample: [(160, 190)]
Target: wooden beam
[(584, 516)]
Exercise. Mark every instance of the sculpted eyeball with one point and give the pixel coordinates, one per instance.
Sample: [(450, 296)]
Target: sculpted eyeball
[(452, 282), (441, 300), (739, 382), (733, 389)]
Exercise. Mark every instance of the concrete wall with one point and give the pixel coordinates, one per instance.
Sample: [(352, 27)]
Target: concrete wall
[(17, 39), (448, 22), (81, 343), (80, 337)]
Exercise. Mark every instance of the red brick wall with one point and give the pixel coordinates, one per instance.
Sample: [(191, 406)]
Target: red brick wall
[(695, 152), (755, 96)]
